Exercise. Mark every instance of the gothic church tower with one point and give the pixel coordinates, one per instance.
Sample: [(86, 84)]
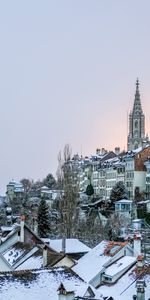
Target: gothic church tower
[(136, 137)]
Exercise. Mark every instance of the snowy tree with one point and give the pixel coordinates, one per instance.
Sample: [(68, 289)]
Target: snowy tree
[(70, 196), (27, 184), (113, 227), (43, 219), (90, 229), (49, 181), (118, 192)]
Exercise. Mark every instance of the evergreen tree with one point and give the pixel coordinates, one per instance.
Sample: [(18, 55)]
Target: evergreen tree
[(118, 192), (90, 190), (43, 219), (50, 181)]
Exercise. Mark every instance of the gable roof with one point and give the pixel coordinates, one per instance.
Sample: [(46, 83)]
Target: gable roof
[(15, 252), (28, 254), (89, 265), (96, 259), (16, 230), (72, 245), (35, 261)]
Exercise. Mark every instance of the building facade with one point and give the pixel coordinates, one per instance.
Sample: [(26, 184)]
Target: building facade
[(104, 169)]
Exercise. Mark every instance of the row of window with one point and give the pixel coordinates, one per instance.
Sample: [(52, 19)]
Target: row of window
[(111, 184), (130, 165), (111, 175), (124, 207), (129, 184), (100, 174), (130, 175)]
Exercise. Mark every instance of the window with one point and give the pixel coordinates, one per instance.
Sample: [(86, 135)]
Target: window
[(117, 206), (129, 184), (107, 278)]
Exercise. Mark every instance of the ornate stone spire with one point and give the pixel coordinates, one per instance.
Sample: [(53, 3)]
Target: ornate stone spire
[(137, 84), (137, 107), (136, 137)]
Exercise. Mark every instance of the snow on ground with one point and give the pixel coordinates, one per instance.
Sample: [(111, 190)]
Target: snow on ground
[(116, 290), (39, 285)]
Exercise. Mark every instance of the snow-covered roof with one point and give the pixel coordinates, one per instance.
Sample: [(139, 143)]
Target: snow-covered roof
[(112, 160), (137, 150), (7, 228), (120, 265), (125, 287), (13, 254), (67, 286), (42, 284), (32, 263), (18, 251), (72, 245), (144, 202), (137, 220), (18, 186), (44, 188), (124, 201), (89, 265), (8, 209), (92, 263), (12, 182)]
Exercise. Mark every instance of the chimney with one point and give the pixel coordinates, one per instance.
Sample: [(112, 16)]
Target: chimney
[(103, 151), (140, 263), (117, 150), (98, 151), (140, 288), (137, 244), (22, 219), (63, 245), (65, 293), (0, 238), (45, 256), (35, 226)]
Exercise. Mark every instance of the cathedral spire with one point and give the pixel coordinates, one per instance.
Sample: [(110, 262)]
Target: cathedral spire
[(137, 107), (136, 137), (137, 85)]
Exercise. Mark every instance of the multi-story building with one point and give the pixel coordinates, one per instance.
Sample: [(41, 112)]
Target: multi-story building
[(132, 168), (14, 189), (106, 168), (147, 190), (135, 170)]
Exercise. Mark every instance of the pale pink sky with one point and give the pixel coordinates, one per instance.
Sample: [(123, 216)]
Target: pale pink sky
[(67, 75)]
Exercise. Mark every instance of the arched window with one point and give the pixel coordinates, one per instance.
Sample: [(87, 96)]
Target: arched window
[(136, 124)]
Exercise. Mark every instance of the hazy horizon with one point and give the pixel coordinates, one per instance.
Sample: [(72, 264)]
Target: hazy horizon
[(67, 75)]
